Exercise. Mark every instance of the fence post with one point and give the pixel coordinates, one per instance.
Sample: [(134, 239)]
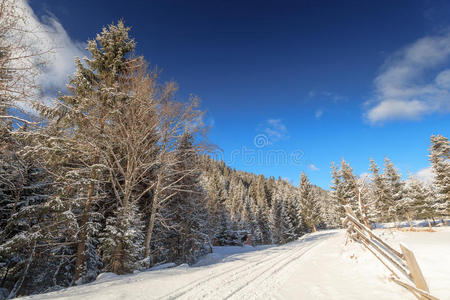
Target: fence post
[(416, 273)]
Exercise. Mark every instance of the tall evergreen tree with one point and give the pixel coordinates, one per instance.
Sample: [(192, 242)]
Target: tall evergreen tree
[(349, 182), (379, 191), (337, 194), (287, 226), (80, 118), (419, 200), (440, 164), (276, 219), (395, 190), (308, 203)]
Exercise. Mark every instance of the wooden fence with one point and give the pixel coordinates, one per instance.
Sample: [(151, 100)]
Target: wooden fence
[(402, 265)]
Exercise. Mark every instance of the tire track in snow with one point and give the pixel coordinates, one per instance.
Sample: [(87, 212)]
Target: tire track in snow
[(256, 273), (256, 285), (234, 270), (213, 287)]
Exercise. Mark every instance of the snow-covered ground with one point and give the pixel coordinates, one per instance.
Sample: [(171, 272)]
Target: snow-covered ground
[(317, 266)]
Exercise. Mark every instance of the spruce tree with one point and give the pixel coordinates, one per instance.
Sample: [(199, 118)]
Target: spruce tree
[(78, 120), (262, 219), (308, 203), (379, 192), (189, 202), (440, 164), (276, 218), (287, 228), (349, 183), (251, 212), (395, 191), (337, 194), (418, 197)]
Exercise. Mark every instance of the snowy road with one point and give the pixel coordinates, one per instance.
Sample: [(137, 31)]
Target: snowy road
[(317, 266), (251, 275), (228, 273)]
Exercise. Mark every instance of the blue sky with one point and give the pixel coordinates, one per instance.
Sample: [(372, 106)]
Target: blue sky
[(289, 86)]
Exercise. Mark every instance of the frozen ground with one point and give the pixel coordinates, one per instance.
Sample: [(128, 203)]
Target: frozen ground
[(317, 266)]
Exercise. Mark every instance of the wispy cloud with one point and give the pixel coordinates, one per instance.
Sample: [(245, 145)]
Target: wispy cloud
[(319, 113), (413, 83), (274, 129), (313, 167), (324, 99), (326, 95), (48, 36)]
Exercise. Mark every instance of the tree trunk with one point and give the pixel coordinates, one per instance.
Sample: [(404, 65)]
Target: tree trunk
[(117, 261), (314, 228), (409, 221), (429, 223), (362, 206), (151, 222), (80, 263), (19, 283), (117, 266), (81, 245)]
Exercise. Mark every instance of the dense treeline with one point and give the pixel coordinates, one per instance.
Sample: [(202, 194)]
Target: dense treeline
[(385, 197), (272, 211)]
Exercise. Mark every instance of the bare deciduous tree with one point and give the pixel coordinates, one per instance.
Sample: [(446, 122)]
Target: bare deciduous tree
[(19, 63)]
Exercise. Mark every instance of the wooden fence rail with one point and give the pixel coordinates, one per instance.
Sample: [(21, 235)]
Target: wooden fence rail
[(404, 261)]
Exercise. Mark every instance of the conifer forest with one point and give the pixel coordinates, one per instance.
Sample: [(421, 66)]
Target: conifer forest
[(118, 174)]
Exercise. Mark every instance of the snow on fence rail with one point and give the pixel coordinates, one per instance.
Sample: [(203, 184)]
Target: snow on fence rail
[(404, 261)]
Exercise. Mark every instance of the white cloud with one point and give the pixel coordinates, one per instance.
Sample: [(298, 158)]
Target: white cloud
[(426, 175), (404, 88), (275, 129), (313, 167), (397, 109), (48, 36)]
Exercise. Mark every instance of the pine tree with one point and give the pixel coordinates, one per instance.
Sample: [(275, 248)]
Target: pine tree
[(32, 226), (287, 227), (262, 219), (250, 217), (379, 192), (440, 164), (276, 219), (216, 198), (261, 193), (349, 183), (327, 212), (293, 205), (78, 119), (417, 200), (122, 240), (224, 230), (395, 191), (188, 204), (308, 203), (337, 194)]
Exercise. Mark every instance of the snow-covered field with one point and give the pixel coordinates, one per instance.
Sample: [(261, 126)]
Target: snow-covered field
[(317, 266)]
